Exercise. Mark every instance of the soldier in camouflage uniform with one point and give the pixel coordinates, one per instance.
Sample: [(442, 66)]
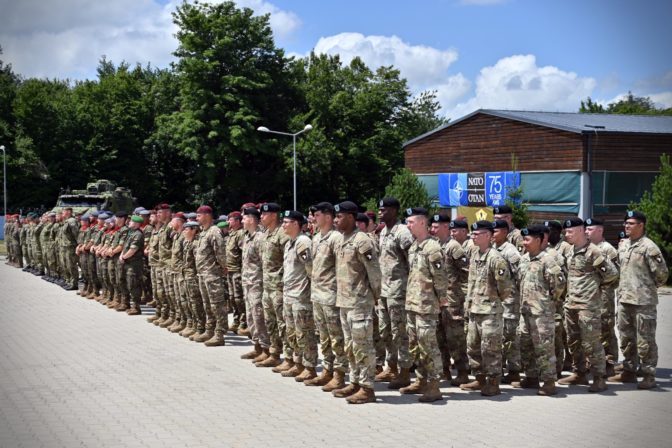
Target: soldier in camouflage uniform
[(39, 253), (643, 270), (68, 243), (191, 288), (161, 218), (84, 231), (55, 249), (45, 244), (505, 213), (490, 284), (358, 289), (511, 346), (323, 296), (542, 285), (395, 239), (17, 245), (588, 271), (297, 308), (102, 252), (117, 273), (211, 265), (183, 316), (23, 239), (451, 336), (147, 228), (96, 236), (595, 234), (273, 243), (234, 253), (164, 285), (130, 260), (427, 283)]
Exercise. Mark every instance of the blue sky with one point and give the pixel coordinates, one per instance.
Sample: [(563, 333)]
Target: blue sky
[(513, 54)]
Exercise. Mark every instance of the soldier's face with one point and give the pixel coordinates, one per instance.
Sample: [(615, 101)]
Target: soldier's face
[(481, 237), (291, 227), (459, 234), (387, 213), (268, 219), (594, 233), (633, 228), (575, 235), (532, 244), (417, 225), (119, 221), (361, 226), (499, 236), (234, 223), (344, 222)]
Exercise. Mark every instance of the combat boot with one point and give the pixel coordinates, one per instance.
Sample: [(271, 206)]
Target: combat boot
[(388, 374), (624, 377), (114, 302), (256, 351), (418, 387), (336, 382), (599, 384), (403, 379), (217, 340), (307, 375), (196, 335), (272, 360), (491, 387), (189, 329), (511, 377), (363, 395), (234, 328), (134, 310), (548, 389), (244, 332), (475, 385), (321, 380), (431, 392), (461, 378), (152, 303), (648, 382), (206, 336), (178, 327), (575, 379), (121, 307), (261, 357), (346, 391), (287, 364), (609, 371), (529, 382), (447, 375), (167, 323), (153, 318), (295, 371)]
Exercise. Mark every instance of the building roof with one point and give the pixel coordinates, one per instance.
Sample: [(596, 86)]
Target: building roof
[(574, 122)]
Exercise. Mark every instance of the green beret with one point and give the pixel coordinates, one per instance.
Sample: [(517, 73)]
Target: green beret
[(138, 219)]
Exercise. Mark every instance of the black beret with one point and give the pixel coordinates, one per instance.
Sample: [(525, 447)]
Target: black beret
[(459, 224), (634, 214), (251, 211), (502, 210), (389, 202), (500, 224), (294, 216), (324, 207), (121, 214), (361, 217), (482, 225), (553, 225), (415, 211), (440, 218), (536, 230), (270, 207), (594, 222), (573, 222), (346, 207)]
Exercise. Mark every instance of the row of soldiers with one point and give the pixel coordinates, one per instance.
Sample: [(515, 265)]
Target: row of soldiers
[(426, 294)]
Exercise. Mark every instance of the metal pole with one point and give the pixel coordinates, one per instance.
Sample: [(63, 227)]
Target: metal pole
[(4, 179), (294, 157)]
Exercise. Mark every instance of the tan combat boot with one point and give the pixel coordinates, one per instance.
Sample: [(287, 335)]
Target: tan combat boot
[(153, 318), (491, 387), (576, 378), (461, 378), (336, 382), (167, 323), (296, 369), (307, 375), (529, 382), (134, 310), (648, 382), (321, 380), (418, 387), (403, 379), (272, 360), (189, 329), (624, 377), (346, 391), (431, 392), (287, 364), (363, 395), (475, 385), (388, 374), (197, 334), (244, 332), (256, 351), (204, 337), (181, 325), (261, 357), (599, 384), (217, 340), (548, 389)]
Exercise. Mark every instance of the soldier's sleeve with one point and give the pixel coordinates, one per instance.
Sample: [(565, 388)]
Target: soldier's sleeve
[(138, 241), (556, 279), (657, 265), (368, 256), (605, 268), (503, 279), (303, 251), (218, 247), (438, 270)]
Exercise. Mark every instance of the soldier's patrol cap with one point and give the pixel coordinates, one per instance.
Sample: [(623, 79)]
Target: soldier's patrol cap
[(294, 216), (146, 213), (85, 217), (553, 225), (459, 224), (389, 202), (191, 224), (138, 210), (251, 211), (109, 221), (101, 216), (137, 218), (535, 230), (440, 218), (347, 207), (270, 207), (502, 210), (361, 217), (634, 214), (121, 214), (221, 218), (204, 209), (94, 213), (594, 222), (573, 222), (324, 207), (415, 211), (500, 224), (482, 225)]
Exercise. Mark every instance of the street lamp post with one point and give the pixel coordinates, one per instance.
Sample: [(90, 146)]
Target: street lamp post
[(305, 129), (4, 178)]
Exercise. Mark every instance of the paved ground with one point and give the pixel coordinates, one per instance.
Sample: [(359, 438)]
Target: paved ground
[(73, 373)]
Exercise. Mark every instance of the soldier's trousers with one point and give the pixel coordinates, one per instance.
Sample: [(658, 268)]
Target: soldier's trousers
[(637, 328), (85, 270), (195, 300), (423, 345), (560, 339), (332, 343), (272, 302), (392, 322), (71, 270), (301, 324), (378, 342), (169, 310), (511, 344), (104, 276), (256, 322), (235, 287), (608, 320), (358, 337), (537, 346), (583, 338), (159, 290), (147, 294), (484, 344), (133, 278), (212, 287), (121, 280), (112, 276), (182, 298), (451, 337)]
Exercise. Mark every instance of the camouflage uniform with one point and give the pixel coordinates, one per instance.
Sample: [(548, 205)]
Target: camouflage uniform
[(68, 242), (252, 280), (182, 304), (155, 267), (119, 274), (608, 316), (323, 296), (394, 245), (427, 282), (560, 252), (164, 284), (588, 271), (542, 284), (357, 288), (132, 268), (489, 285), (39, 254), (210, 256), (516, 239), (298, 311), (147, 292), (23, 241), (643, 270), (191, 287), (234, 252), (511, 346), (45, 244), (273, 243)]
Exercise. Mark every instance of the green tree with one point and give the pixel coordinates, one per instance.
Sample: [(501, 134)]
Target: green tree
[(514, 199), (9, 82), (408, 189), (630, 105), (590, 107)]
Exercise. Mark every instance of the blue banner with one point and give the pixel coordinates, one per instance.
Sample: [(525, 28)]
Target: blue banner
[(476, 189)]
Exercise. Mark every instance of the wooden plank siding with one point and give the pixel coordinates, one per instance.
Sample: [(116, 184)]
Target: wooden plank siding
[(629, 152)]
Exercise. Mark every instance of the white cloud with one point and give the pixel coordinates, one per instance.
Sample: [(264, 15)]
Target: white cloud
[(66, 39), (516, 82), (662, 99)]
